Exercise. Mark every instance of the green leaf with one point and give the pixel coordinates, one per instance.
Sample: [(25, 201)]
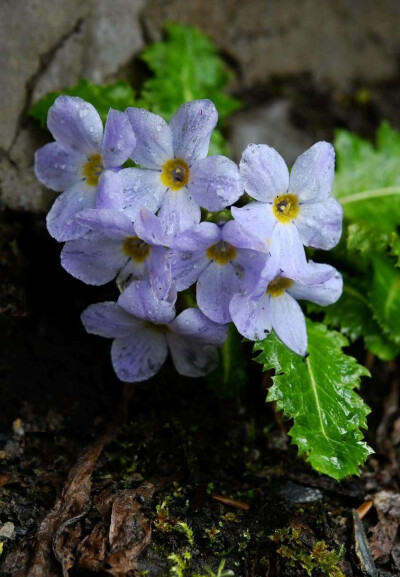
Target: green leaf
[(385, 296), (186, 66), (230, 376), (119, 96), (395, 248), (318, 393), (367, 182), (353, 315), (381, 346), (367, 238), (368, 186)]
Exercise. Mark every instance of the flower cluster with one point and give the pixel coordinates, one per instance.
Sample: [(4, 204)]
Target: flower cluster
[(143, 227)]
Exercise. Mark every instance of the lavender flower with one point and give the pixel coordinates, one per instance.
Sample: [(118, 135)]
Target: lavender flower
[(290, 211), (176, 178), (115, 247), (144, 329), (272, 304), (75, 162), (222, 259)]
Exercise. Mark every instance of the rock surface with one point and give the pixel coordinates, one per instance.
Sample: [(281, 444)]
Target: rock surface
[(47, 45), (337, 42), (269, 124)]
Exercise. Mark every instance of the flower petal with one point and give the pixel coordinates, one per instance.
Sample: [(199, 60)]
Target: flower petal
[(110, 191), (190, 358), (153, 138), (58, 168), (191, 128), (269, 272), (186, 267), (249, 264), (199, 237), (288, 250), (251, 316), (60, 220), (323, 293), (238, 237), (109, 320), (130, 272), (140, 356), (312, 173), (215, 288), (114, 225), (215, 182), (159, 271), (141, 188), (148, 228), (75, 124), (178, 212), (289, 323), (119, 139), (264, 172), (320, 223), (193, 324), (93, 259), (257, 219), (139, 300)]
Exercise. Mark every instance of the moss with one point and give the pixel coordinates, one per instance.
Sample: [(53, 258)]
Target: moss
[(179, 563), (221, 572), (184, 528), (232, 517), (212, 532), (165, 522), (122, 459), (246, 540), (315, 559)]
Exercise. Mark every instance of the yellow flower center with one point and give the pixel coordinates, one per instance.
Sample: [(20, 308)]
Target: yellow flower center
[(222, 252), (286, 207), (175, 174), (136, 248), (92, 169), (277, 287)]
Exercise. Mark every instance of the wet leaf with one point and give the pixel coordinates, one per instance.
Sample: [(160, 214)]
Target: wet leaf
[(72, 505), (121, 535), (385, 297), (318, 393), (368, 178), (353, 315), (186, 66)]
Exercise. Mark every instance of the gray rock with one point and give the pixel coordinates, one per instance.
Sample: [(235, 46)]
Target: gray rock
[(114, 36), (7, 530), (269, 124), (99, 46), (20, 188), (298, 494), (48, 45), (64, 68), (30, 31), (337, 42)]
